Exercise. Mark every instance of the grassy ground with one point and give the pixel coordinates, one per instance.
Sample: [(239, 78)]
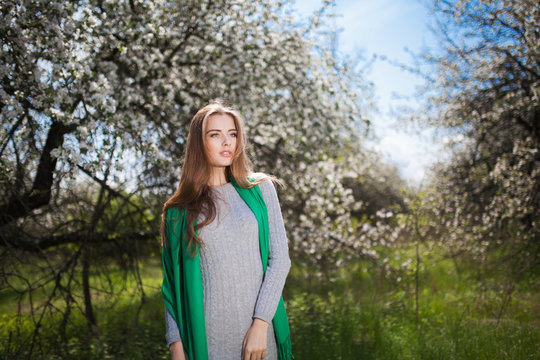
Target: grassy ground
[(364, 316), (357, 315)]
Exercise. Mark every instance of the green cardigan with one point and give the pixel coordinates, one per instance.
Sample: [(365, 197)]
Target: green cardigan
[(182, 282)]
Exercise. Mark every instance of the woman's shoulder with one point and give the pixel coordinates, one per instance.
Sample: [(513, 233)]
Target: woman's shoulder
[(264, 181), (259, 177), (267, 185)]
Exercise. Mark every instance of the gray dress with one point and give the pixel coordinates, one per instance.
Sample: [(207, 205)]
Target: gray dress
[(234, 289)]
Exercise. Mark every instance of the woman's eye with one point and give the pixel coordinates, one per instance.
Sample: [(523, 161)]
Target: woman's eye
[(214, 135), (233, 134)]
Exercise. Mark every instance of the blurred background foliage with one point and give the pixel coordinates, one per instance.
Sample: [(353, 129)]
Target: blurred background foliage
[(95, 99)]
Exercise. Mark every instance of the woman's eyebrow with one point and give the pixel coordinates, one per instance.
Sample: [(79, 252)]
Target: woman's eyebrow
[(207, 131)]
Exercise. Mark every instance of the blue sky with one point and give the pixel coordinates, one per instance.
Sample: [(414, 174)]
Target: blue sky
[(387, 28)]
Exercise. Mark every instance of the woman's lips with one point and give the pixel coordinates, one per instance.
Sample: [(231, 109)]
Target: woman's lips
[(226, 153)]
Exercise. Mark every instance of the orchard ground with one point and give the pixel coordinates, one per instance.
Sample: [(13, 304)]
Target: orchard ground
[(355, 313)]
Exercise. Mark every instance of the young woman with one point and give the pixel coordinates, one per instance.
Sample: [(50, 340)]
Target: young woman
[(225, 255)]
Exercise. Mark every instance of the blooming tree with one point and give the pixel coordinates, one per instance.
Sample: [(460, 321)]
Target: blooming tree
[(95, 100), (486, 92), (89, 84)]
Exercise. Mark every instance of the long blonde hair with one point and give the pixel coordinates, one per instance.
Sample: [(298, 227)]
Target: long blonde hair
[(193, 192)]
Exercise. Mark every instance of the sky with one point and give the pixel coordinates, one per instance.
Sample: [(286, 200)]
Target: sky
[(387, 28)]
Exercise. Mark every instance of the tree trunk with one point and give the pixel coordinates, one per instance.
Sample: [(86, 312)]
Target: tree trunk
[(89, 311)]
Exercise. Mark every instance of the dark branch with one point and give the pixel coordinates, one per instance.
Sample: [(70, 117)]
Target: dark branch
[(39, 244), (18, 206)]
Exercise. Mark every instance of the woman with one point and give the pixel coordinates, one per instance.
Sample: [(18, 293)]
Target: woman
[(225, 254)]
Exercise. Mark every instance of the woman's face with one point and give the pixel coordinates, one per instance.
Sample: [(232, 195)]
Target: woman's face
[(220, 140)]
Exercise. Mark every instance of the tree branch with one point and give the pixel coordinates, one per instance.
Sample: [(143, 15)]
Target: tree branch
[(40, 194), (39, 244)]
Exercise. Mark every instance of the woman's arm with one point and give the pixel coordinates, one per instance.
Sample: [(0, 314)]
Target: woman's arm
[(172, 335), (177, 351), (255, 341), (279, 262)]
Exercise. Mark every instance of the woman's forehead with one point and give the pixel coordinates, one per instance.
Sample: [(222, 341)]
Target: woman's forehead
[(220, 121)]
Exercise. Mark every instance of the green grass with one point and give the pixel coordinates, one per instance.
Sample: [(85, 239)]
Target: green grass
[(357, 315), (364, 316)]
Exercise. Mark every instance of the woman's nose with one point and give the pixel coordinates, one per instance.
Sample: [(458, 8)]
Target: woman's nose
[(226, 140)]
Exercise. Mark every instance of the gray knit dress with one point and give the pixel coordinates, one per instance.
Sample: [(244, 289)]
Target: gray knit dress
[(234, 289)]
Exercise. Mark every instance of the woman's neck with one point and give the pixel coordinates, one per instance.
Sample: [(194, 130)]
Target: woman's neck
[(217, 177)]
